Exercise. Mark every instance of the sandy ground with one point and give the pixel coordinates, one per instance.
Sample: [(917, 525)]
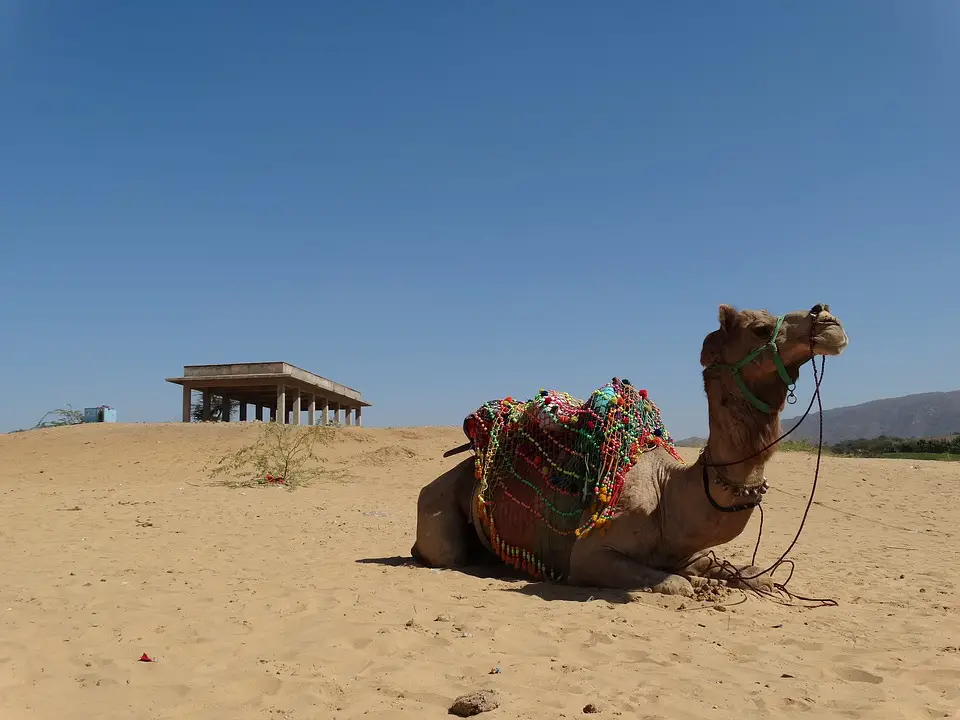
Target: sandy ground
[(264, 603)]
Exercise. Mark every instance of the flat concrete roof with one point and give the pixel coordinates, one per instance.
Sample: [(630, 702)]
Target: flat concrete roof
[(263, 377)]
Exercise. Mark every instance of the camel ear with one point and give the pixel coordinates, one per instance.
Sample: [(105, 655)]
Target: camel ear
[(728, 318)]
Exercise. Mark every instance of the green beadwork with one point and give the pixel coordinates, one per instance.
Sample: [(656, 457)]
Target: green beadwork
[(551, 469)]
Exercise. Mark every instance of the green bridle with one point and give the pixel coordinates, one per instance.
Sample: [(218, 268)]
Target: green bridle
[(771, 344)]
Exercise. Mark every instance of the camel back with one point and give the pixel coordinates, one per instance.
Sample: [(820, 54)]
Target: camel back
[(551, 469)]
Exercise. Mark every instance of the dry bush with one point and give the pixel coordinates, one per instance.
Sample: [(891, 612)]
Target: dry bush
[(283, 455), (60, 418)]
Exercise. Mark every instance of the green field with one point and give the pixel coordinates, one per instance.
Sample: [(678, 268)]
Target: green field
[(944, 449), (921, 456), (805, 447)]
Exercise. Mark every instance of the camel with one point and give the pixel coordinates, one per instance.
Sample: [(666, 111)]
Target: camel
[(668, 515)]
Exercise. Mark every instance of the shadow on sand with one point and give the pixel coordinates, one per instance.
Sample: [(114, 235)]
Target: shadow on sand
[(551, 592), (558, 592), (491, 571)]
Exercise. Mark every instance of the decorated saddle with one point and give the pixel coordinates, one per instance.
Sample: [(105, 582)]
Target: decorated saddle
[(551, 469)]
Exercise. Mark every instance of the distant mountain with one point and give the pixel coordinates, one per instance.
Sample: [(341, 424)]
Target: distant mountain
[(691, 442), (934, 414)]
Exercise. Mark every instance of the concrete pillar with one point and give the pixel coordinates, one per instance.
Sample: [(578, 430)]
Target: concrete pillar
[(259, 412), (347, 419), (224, 408), (295, 410), (205, 395), (312, 410), (335, 409), (243, 411), (281, 414), (273, 414), (324, 411), (357, 420), (187, 409)]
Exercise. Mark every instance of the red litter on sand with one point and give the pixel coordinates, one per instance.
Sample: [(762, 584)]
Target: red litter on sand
[(146, 658)]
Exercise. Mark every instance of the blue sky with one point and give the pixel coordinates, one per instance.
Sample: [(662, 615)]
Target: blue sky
[(442, 203)]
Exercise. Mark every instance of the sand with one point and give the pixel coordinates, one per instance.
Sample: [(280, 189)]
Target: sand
[(265, 603)]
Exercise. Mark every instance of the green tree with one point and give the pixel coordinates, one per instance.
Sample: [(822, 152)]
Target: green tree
[(216, 407)]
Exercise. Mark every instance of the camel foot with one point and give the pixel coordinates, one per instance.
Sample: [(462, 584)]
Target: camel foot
[(674, 585), (753, 578), (746, 577)]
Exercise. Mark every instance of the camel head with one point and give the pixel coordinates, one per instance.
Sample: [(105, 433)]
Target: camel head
[(759, 355)]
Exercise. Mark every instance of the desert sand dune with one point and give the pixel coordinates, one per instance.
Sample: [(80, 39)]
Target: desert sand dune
[(265, 603)]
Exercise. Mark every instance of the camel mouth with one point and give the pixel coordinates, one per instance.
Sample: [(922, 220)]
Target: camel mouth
[(830, 340)]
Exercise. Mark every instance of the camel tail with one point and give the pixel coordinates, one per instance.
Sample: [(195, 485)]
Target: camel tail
[(457, 450)]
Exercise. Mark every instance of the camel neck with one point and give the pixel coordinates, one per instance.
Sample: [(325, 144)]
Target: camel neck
[(749, 473), (685, 496), (737, 441)]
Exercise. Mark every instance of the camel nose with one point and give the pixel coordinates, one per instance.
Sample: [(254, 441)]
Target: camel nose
[(819, 308)]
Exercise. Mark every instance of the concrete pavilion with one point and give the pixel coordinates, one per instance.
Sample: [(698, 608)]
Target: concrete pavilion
[(281, 388)]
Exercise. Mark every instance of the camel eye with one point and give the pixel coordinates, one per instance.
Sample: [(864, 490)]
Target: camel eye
[(762, 330)]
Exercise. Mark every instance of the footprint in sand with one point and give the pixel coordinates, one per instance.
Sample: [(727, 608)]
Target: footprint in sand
[(858, 675), (268, 685), (360, 643)]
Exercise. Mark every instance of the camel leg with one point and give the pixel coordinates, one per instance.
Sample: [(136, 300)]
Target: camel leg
[(707, 566), (445, 535), (598, 566)]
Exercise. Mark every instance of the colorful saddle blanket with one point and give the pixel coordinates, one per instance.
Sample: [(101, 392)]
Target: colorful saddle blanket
[(552, 469)]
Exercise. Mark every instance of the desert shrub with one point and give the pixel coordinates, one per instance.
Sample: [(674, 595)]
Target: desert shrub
[(282, 455), (60, 417)]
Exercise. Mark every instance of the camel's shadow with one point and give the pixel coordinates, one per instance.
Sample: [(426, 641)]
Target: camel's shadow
[(553, 592), (484, 571), (560, 592)]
